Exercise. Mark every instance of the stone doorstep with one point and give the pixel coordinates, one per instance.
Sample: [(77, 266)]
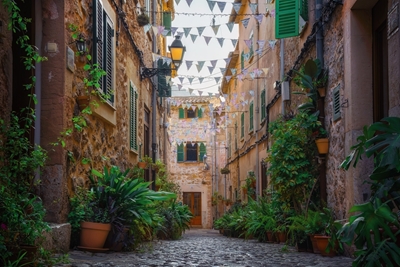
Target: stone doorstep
[(58, 238)]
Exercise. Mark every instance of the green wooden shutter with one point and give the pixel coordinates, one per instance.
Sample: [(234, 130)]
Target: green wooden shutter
[(287, 14), (108, 58), (202, 152), (181, 113), (242, 60), (180, 153), (242, 125), (236, 133), (336, 103), (304, 9), (199, 113), (251, 116), (229, 144), (167, 18), (98, 37), (133, 118), (263, 111), (164, 89)]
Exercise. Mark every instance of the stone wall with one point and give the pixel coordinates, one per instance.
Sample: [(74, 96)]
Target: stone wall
[(5, 64)]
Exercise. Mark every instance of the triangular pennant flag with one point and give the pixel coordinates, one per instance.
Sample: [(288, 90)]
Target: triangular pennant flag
[(252, 75), (200, 64), (155, 29), (253, 7), (259, 17), (258, 51), (222, 70), (221, 41), (215, 28), (221, 6), (147, 28), (200, 92), (209, 94), (248, 43), (237, 6), (160, 29), (189, 2), (201, 79), (189, 64), (173, 30), (200, 30), (228, 78), (247, 56), (272, 13), (230, 26), (251, 92), (234, 42), (186, 31), (190, 91), (180, 87), (272, 43), (217, 79), (211, 4), (265, 70), (177, 1), (165, 32), (261, 43), (233, 71), (181, 79), (213, 62), (227, 60), (240, 76), (210, 69), (245, 22), (193, 107), (193, 36), (207, 39), (244, 71), (190, 80)]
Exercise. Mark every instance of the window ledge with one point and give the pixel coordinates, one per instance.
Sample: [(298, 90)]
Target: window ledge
[(105, 111)]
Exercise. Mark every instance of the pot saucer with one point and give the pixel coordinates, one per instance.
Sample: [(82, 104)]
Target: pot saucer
[(94, 249)]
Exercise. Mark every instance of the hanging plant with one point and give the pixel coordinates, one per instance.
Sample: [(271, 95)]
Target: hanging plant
[(225, 170), (143, 18)]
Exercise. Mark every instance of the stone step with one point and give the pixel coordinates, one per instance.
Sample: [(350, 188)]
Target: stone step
[(58, 238)]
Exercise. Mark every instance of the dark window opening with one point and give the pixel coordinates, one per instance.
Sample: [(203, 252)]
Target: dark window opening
[(191, 152), (190, 113)]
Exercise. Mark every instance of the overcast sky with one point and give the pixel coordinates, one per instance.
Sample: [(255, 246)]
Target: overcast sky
[(199, 50)]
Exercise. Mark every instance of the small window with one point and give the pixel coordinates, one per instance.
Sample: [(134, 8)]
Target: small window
[(263, 111), (191, 152), (190, 113), (251, 116), (336, 103)]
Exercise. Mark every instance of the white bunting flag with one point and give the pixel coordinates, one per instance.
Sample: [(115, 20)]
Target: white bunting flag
[(230, 26), (177, 1), (147, 28), (187, 31), (252, 75), (227, 60), (222, 70), (155, 29), (234, 42), (160, 29), (217, 79), (189, 64), (261, 44), (190, 80), (272, 43), (211, 4), (200, 92), (228, 78), (237, 6), (173, 30), (215, 28), (210, 69), (251, 92), (181, 79), (207, 39), (190, 91), (259, 18), (213, 63), (233, 71), (200, 64), (248, 43), (253, 7), (189, 2), (201, 79), (179, 87)]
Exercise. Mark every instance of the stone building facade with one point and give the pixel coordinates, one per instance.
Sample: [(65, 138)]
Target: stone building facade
[(195, 146), (122, 127), (358, 44)]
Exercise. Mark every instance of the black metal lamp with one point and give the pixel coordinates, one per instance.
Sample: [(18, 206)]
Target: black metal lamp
[(177, 51), (81, 44)]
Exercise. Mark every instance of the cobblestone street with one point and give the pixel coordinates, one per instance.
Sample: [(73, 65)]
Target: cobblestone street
[(204, 247)]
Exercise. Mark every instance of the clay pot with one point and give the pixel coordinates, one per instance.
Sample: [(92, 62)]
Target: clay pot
[(322, 243), (281, 236), (314, 244), (322, 145), (94, 235), (142, 164), (271, 237), (83, 101)]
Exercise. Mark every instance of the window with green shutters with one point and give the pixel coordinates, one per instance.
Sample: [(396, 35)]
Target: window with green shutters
[(242, 125), (263, 111), (229, 144), (180, 153), (189, 113), (103, 52), (290, 17), (199, 113), (242, 60), (251, 117), (133, 98), (203, 151)]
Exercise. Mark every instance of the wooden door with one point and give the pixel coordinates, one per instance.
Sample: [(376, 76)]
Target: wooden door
[(193, 200)]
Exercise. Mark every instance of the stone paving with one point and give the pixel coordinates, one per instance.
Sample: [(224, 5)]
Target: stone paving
[(204, 247)]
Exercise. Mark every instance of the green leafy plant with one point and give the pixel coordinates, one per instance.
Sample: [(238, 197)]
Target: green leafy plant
[(377, 216), (293, 165)]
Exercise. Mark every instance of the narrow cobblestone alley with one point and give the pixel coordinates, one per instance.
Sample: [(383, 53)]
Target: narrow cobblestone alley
[(202, 247)]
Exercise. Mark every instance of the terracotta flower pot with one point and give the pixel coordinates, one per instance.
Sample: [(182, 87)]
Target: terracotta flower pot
[(281, 236), (142, 164), (271, 237), (322, 145), (314, 244), (94, 235), (83, 101), (322, 243)]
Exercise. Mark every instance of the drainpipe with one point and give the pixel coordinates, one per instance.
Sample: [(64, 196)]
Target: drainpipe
[(38, 74), (320, 103), (154, 105)]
